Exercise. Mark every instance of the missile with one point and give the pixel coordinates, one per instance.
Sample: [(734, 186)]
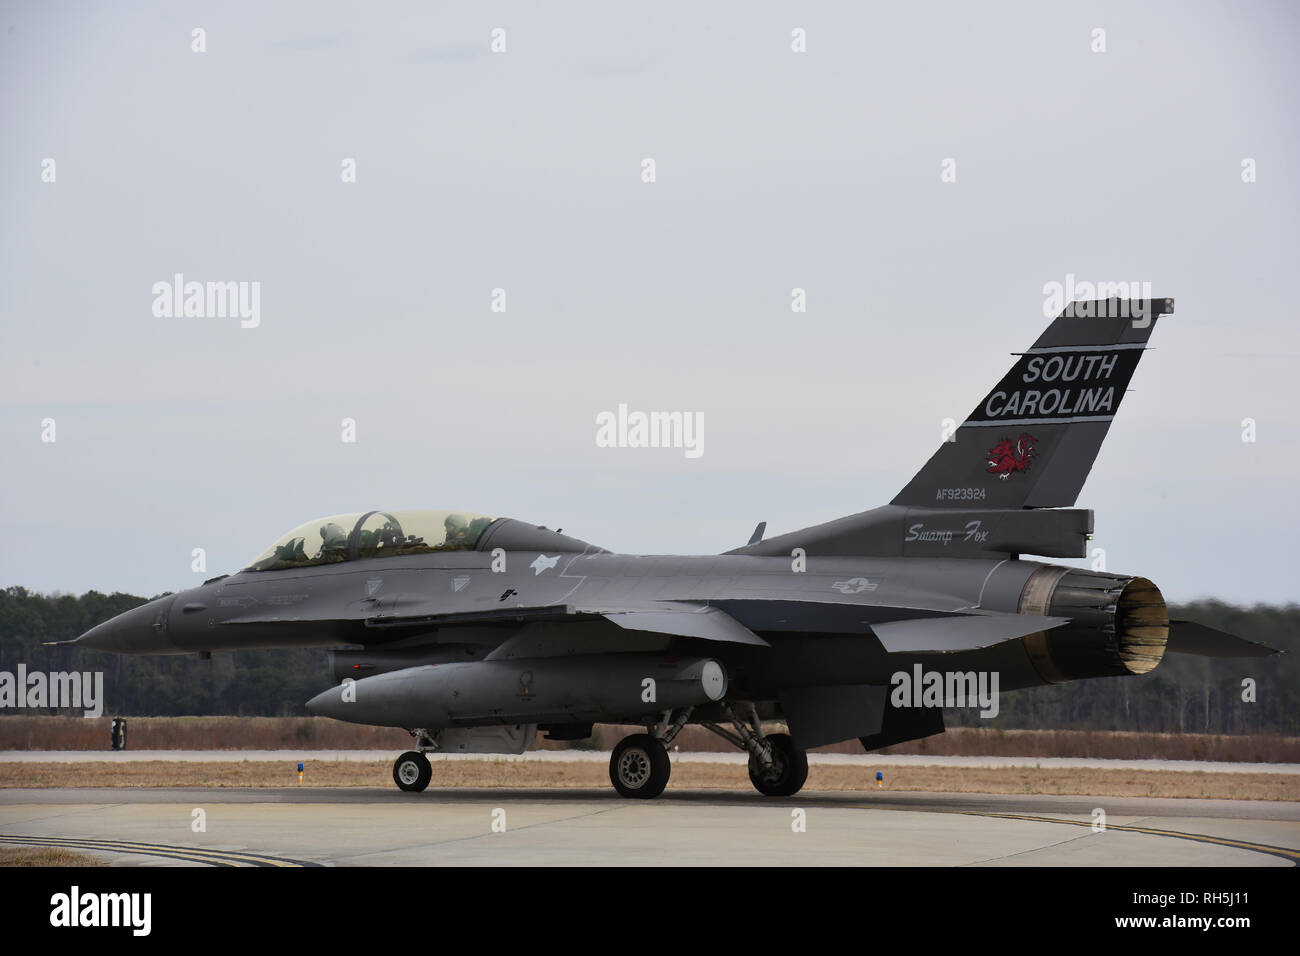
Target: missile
[(587, 688)]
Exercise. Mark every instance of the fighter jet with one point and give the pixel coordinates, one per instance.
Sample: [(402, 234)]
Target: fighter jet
[(474, 631)]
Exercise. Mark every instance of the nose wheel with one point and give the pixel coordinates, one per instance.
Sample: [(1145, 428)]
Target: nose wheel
[(412, 771), (639, 767)]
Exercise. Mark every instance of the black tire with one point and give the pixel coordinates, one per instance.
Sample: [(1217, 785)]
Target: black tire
[(412, 772), (639, 767), (789, 769)]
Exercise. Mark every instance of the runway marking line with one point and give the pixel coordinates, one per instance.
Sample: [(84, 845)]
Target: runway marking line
[(191, 854), (1284, 852)]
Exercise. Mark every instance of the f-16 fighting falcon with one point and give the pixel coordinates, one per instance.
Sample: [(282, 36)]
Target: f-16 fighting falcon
[(473, 631)]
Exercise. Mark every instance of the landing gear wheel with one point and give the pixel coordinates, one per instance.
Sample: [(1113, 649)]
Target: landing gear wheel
[(639, 767), (412, 771), (789, 771)]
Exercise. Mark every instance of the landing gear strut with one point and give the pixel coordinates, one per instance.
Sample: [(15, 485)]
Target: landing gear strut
[(639, 766), (787, 772), (777, 768)]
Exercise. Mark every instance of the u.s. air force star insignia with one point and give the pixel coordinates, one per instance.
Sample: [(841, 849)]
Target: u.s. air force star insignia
[(854, 585), (542, 563)]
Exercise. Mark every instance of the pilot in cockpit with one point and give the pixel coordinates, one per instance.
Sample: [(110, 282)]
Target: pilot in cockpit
[(457, 530), (333, 541)]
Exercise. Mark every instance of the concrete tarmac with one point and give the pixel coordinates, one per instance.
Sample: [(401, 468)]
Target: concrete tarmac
[(602, 756), (490, 827)]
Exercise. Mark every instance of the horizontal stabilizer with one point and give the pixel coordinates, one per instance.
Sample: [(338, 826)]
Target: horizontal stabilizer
[(1189, 637), (949, 634)]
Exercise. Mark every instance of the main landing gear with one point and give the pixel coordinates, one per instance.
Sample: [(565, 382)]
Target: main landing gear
[(639, 766)]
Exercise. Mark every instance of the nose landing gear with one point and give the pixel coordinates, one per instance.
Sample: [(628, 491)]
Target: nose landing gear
[(412, 771)]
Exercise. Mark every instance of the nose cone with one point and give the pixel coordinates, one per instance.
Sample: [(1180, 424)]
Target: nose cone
[(141, 630), (328, 703), (340, 703)]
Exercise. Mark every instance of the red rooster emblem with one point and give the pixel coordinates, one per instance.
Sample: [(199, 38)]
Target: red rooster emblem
[(1007, 457)]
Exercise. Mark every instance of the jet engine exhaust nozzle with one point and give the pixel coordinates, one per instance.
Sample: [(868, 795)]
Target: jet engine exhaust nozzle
[(1120, 625)]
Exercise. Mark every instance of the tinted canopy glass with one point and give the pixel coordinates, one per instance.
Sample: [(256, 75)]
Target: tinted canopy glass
[(373, 534)]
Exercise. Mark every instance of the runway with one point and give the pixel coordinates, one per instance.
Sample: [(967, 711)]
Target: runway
[(602, 756), (499, 827)]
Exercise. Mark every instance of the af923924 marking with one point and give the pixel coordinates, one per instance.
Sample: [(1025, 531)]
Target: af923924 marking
[(959, 494)]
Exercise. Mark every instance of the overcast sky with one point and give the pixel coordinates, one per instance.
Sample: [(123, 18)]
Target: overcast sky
[(522, 170)]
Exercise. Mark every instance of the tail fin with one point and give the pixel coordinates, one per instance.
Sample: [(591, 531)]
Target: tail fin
[(1031, 442)]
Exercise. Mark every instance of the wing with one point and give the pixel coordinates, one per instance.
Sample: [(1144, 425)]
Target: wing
[(676, 618), (910, 630)]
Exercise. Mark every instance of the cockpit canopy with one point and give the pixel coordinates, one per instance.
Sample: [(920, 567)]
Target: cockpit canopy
[(373, 534)]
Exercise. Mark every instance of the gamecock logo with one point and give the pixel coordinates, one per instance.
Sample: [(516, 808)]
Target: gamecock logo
[(1008, 457)]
